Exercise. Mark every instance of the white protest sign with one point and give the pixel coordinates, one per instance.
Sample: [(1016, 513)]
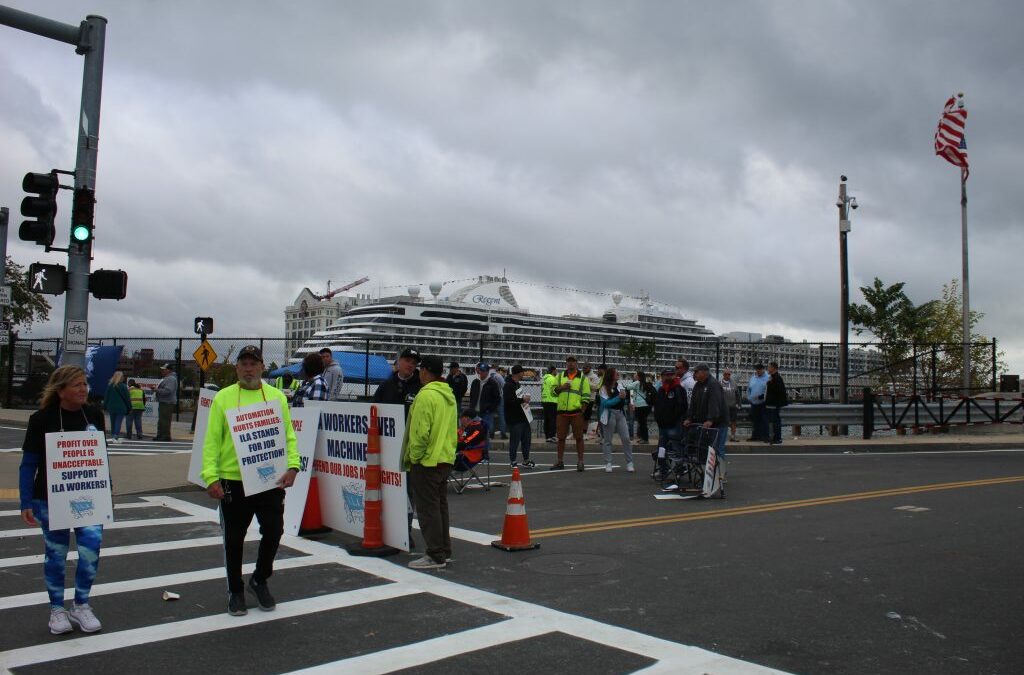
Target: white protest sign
[(78, 480), (305, 422), (258, 434), (712, 481), (195, 465), (340, 465)]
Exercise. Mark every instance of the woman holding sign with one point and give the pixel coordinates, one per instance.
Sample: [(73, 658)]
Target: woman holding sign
[(61, 409)]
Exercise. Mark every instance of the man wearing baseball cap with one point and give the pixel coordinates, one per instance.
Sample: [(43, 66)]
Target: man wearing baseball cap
[(403, 385), (485, 395), (223, 477)]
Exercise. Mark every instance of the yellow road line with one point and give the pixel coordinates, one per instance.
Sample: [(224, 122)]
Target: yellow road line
[(764, 508)]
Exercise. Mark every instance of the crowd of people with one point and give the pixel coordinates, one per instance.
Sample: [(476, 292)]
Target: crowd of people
[(441, 424)]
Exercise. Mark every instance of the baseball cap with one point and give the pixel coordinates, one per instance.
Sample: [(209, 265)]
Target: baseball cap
[(454, 364), (410, 353), (759, 366), (432, 364), (668, 371), (483, 366), (516, 369), (250, 352)]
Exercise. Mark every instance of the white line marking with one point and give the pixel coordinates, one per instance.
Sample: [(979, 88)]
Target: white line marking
[(93, 644), (165, 580), (433, 650), (134, 549), (130, 505), (674, 657), (472, 537), (117, 525)]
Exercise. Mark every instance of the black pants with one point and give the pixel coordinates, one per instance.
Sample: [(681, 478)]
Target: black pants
[(641, 422), (236, 514), (550, 417), (429, 485)]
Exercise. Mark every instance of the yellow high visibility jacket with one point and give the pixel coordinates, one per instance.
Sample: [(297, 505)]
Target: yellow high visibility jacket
[(578, 394)]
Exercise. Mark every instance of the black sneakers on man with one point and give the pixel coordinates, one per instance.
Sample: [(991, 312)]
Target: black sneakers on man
[(263, 597), (236, 604)]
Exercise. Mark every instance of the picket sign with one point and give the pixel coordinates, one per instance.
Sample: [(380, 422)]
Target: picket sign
[(78, 479)]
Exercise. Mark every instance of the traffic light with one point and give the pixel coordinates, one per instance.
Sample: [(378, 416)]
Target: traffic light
[(41, 204), (82, 213), (109, 284), (48, 279)]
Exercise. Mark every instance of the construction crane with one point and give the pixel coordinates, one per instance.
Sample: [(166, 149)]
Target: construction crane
[(330, 294)]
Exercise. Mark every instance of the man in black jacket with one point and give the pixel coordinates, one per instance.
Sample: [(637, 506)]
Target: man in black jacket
[(485, 395), (404, 383), (775, 399), (709, 410), (669, 412), (459, 383), (515, 402)]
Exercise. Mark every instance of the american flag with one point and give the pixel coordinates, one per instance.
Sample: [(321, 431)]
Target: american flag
[(949, 137)]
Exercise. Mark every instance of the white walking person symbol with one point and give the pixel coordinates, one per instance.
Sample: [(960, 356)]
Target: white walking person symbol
[(39, 279)]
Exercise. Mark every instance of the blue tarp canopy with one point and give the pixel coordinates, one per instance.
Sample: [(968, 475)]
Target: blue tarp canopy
[(353, 364)]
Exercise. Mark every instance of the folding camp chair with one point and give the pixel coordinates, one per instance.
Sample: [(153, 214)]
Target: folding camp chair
[(473, 450)]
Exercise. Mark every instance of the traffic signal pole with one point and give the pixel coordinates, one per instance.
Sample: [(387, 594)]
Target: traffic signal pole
[(88, 38)]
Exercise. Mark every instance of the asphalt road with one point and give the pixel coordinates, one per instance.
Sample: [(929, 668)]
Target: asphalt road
[(840, 563)]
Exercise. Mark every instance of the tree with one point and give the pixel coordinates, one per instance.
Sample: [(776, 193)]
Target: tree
[(895, 321), (639, 352), (944, 331), (27, 307)]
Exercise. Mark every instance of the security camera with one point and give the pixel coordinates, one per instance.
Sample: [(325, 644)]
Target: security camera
[(853, 202), (839, 204), (842, 178)]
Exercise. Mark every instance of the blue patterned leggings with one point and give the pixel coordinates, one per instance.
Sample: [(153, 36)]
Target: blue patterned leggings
[(87, 539)]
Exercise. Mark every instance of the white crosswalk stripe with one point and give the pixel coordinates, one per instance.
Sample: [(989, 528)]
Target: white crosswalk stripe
[(514, 619)]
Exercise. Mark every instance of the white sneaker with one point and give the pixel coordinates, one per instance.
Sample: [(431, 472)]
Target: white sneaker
[(608, 467), (630, 468), (83, 616), (59, 623), (426, 563)]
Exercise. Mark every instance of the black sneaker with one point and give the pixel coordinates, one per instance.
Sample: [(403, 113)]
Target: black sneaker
[(558, 466), (580, 466), (236, 604), (263, 596), (529, 464)]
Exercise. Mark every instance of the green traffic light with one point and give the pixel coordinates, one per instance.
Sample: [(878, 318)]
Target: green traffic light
[(80, 233)]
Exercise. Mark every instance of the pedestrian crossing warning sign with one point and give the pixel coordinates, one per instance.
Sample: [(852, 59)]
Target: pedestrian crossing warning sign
[(205, 356)]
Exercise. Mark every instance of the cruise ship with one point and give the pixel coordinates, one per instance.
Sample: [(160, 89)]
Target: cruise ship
[(483, 321)]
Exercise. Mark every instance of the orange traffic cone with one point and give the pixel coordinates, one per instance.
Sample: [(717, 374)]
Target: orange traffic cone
[(515, 534), (373, 506), (312, 519)]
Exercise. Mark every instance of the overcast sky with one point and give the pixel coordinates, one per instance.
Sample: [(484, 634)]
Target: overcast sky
[(692, 150)]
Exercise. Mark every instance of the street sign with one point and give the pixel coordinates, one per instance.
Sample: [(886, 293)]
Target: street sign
[(5, 296), (205, 356), (204, 325), (76, 336), (5, 331)]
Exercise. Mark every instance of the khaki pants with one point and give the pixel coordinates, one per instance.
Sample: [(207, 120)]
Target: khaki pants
[(566, 421)]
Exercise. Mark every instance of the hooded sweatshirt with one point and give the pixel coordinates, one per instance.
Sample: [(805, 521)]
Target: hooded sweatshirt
[(431, 433)]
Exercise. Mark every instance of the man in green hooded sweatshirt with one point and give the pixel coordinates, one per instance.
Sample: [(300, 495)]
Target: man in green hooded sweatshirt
[(428, 451)]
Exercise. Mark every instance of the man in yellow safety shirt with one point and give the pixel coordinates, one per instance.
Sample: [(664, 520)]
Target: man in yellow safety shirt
[(573, 391), (222, 474)]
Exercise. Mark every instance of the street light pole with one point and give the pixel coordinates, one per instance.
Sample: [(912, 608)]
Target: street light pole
[(845, 203)]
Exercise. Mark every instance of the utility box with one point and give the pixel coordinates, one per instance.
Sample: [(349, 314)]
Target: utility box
[(1009, 383)]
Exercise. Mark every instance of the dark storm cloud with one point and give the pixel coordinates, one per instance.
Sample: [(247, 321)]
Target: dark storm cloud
[(691, 150)]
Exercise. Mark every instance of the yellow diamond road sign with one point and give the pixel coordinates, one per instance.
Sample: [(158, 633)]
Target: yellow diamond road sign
[(205, 356)]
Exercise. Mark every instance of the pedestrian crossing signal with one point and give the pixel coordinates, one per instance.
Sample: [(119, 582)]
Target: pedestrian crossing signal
[(109, 284), (48, 279)]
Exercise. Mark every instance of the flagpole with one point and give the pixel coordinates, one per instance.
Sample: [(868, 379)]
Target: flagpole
[(966, 286)]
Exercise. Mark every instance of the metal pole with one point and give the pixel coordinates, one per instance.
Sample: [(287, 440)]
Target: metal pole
[(366, 371), (844, 293), (994, 366), (90, 45), (821, 372), (935, 383), (966, 289), (4, 215)]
